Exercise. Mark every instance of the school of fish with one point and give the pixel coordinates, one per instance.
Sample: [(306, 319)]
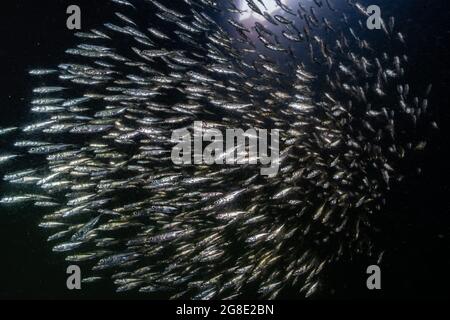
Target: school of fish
[(96, 152)]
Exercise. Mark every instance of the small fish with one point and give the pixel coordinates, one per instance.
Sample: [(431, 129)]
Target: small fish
[(6, 158), (5, 131)]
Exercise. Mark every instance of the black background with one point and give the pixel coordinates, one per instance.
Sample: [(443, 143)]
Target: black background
[(416, 233)]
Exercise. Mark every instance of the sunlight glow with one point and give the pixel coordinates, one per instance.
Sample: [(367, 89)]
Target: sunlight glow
[(271, 6)]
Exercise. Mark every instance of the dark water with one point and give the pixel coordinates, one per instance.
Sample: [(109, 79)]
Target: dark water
[(416, 223)]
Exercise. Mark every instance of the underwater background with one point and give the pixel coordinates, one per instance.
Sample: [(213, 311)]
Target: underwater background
[(415, 227)]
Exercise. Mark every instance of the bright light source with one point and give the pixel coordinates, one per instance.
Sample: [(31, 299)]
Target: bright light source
[(271, 6)]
